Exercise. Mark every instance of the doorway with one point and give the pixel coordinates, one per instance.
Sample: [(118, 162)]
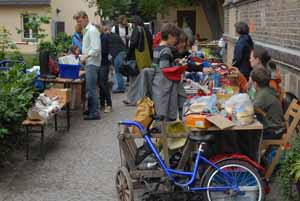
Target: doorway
[(189, 17)]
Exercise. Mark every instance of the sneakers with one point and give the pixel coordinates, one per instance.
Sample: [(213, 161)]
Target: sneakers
[(108, 109)]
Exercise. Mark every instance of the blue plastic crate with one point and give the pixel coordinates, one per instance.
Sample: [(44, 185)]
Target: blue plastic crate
[(69, 71)]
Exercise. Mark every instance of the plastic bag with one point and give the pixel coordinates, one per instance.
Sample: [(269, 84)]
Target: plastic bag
[(241, 109), (198, 105), (144, 112)]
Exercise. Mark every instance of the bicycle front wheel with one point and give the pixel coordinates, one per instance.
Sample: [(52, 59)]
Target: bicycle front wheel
[(243, 176)]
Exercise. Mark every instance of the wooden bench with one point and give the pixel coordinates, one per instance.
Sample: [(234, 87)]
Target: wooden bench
[(64, 95)]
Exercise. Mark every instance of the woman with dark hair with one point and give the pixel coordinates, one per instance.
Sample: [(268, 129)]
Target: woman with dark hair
[(140, 48), (242, 49), (260, 58)]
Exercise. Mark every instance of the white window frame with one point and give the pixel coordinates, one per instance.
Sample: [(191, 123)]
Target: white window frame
[(31, 38)]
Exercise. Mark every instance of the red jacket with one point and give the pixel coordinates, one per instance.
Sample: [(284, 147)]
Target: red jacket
[(157, 39)]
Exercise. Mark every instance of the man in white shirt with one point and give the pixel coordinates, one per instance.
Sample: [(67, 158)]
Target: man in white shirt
[(91, 57), (123, 29)]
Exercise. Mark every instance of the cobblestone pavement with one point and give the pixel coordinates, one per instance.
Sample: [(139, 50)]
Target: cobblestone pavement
[(80, 165)]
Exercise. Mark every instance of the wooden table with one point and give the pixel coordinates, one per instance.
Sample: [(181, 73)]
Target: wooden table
[(256, 127), (68, 83)]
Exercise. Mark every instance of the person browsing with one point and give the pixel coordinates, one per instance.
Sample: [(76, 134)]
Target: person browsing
[(91, 58)]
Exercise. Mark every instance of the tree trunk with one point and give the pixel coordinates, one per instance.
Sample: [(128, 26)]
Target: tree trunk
[(211, 10)]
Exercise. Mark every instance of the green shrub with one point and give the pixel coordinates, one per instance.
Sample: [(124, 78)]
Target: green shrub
[(287, 172), (62, 43), (6, 42), (17, 94)]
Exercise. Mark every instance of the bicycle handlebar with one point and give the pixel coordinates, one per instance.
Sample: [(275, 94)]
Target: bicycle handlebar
[(133, 123)]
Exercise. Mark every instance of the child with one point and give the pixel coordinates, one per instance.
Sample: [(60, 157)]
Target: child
[(260, 58), (267, 106), (165, 91), (74, 53)]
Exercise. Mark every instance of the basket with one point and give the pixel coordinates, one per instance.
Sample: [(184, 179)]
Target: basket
[(174, 73), (69, 71)]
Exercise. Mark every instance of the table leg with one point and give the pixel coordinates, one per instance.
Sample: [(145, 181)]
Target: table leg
[(165, 145), (68, 116), (42, 151), (55, 122), (27, 143), (83, 97), (260, 146), (185, 155)]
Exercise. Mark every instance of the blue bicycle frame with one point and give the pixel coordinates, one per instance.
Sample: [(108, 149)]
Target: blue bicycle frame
[(193, 175)]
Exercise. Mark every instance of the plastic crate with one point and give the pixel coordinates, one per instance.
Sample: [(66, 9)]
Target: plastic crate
[(69, 71)]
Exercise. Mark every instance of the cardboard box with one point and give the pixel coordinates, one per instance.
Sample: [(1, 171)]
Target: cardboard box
[(197, 121), (63, 94)]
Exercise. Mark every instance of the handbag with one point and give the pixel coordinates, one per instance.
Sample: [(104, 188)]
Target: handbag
[(129, 68), (143, 58)]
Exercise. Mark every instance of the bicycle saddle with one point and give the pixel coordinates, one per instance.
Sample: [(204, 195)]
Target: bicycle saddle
[(208, 138)]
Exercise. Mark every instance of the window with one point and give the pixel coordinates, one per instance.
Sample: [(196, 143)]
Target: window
[(59, 28), (28, 34)]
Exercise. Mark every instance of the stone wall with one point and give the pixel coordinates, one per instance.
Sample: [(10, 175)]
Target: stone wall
[(275, 25)]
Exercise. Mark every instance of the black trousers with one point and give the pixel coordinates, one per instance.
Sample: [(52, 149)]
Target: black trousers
[(105, 95)]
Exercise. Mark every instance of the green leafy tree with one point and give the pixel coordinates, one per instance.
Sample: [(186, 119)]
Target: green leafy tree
[(35, 23), (6, 42), (148, 9)]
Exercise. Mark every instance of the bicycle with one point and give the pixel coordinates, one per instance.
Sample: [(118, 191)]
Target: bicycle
[(231, 178)]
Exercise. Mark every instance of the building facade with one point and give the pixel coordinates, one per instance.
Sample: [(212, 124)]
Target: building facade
[(203, 17), (275, 25), (13, 16)]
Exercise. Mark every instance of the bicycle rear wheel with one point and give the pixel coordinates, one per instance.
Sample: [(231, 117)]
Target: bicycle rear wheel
[(244, 175)]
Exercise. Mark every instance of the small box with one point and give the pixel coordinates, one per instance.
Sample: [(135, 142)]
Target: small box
[(69, 71), (197, 121)]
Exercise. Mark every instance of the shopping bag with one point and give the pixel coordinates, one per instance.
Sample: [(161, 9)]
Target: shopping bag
[(144, 112), (143, 59)]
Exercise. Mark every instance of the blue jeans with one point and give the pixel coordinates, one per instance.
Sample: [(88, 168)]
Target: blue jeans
[(91, 75), (119, 84)]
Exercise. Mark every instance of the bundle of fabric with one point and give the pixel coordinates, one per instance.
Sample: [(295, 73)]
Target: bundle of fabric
[(44, 107)]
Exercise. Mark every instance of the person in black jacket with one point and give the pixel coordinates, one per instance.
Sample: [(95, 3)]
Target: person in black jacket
[(242, 49), (105, 96), (137, 43)]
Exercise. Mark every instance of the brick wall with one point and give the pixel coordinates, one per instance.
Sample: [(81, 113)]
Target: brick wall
[(275, 25), (276, 22)]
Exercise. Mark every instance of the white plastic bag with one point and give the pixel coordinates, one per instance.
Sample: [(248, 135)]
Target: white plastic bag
[(241, 109), (200, 104)]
